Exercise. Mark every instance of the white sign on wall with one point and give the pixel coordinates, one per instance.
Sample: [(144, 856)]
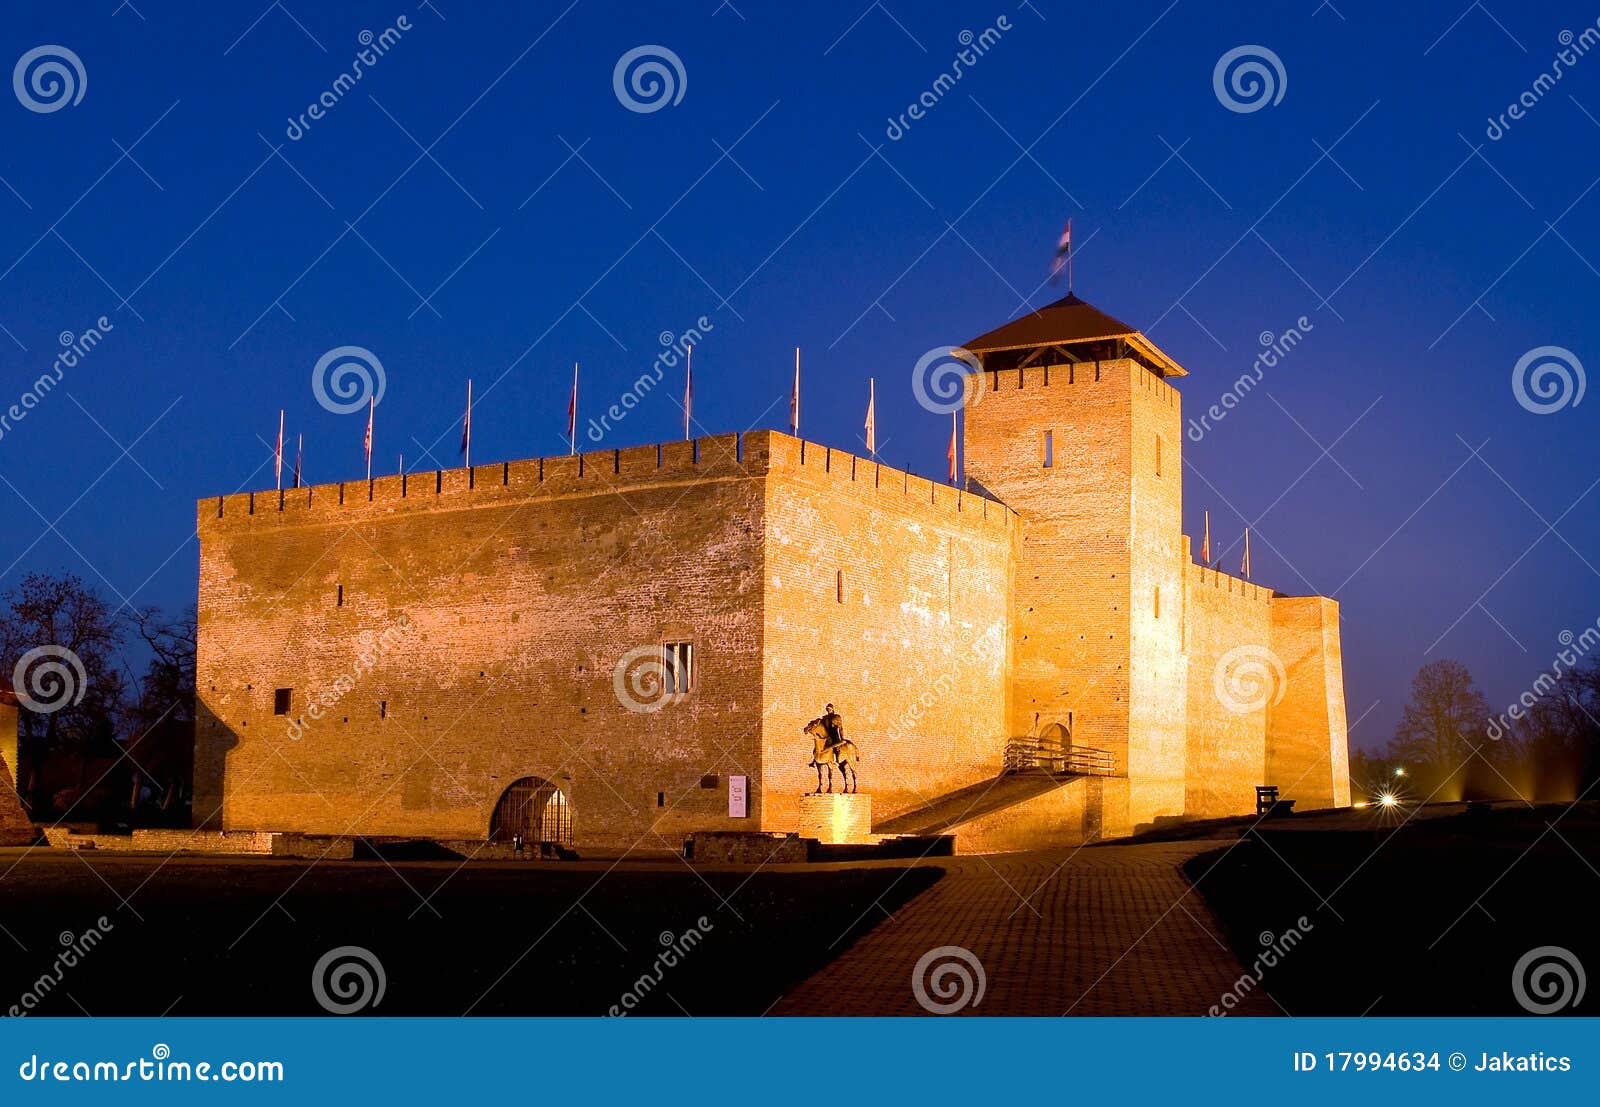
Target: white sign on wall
[(738, 797)]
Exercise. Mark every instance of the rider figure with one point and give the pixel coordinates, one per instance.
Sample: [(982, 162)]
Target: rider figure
[(834, 724)]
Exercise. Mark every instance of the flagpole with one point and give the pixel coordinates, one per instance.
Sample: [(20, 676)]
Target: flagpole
[(688, 389), (572, 414), (794, 397), (299, 456), (466, 430), (372, 407), (278, 457)]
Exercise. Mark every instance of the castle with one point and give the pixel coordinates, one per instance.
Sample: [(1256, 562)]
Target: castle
[(619, 647)]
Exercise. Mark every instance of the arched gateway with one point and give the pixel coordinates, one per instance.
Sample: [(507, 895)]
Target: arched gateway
[(534, 810)]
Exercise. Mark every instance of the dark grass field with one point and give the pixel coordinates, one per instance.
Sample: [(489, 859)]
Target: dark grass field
[(241, 937), (1436, 914)]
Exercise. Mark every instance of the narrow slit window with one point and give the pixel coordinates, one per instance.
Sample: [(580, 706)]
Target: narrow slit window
[(339, 598), (1049, 449), (1158, 455), (678, 660), (838, 586), (1158, 603)]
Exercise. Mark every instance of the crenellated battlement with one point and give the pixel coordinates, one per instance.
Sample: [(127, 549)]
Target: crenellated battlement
[(751, 455), (1080, 374), (1201, 576)]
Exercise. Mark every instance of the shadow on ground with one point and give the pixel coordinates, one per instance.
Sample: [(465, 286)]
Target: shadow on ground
[(1428, 917), (240, 937)]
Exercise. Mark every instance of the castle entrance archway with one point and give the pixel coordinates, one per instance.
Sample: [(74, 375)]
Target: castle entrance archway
[(534, 810)]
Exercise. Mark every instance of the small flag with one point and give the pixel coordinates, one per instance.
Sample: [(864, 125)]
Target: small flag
[(951, 453), (466, 428), (1244, 565), (794, 397), (277, 452), (688, 391), (872, 418), (1205, 543), (1063, 256), (572, 414), (299, 456), (372, 406)]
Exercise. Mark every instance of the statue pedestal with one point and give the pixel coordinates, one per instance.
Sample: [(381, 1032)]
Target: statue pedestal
[(835, 818)]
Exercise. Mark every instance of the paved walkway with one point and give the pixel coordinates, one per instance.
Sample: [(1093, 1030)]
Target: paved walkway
[(1112, 930)]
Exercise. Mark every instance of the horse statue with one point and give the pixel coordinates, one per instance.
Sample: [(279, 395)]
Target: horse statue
[(842, 753)]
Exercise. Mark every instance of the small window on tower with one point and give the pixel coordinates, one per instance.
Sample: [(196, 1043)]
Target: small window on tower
[(280, 701), (1049, 449), (838, 585), (1158, 455), (1158, 603), (339, 600), (678, 660)]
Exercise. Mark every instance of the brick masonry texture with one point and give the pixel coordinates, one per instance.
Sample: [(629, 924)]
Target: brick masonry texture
[(459, 630), (15, 828)]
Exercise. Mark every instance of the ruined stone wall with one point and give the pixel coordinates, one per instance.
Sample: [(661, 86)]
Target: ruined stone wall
[(494, 605), (890, 596)]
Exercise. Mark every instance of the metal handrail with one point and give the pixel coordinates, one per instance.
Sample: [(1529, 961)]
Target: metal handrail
[(1025, 752)]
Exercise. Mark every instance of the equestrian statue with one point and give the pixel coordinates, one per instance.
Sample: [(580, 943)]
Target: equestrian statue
[(830, 747)]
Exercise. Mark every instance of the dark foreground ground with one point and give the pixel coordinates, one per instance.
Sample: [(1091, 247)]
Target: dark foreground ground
[(1426, 918), (240, 937)]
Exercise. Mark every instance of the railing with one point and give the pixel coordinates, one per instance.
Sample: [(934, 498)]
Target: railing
[(1050, 756)]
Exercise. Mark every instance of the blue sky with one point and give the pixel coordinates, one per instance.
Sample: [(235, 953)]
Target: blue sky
[(483, 204)]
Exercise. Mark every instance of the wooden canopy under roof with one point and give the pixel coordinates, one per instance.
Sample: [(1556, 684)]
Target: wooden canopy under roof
[(1071, 330)]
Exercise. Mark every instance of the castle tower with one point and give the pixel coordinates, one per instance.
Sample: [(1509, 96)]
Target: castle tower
[(1077, 429)]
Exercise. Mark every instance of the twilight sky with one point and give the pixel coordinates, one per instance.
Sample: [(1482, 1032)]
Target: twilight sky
[(483, 203)]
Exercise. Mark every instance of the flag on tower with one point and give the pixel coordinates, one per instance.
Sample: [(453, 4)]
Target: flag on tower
[(299, 456), (1063, 258), (1244, 564), (372, 406), (951, 453), (572, 414), (688, 390), (466, 428), (277, 452), (872, 418), (1205, 543), (794, 397)]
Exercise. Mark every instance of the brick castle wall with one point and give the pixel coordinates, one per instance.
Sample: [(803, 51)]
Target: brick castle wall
[(1308, 753), (888, 595), (1228, 641)]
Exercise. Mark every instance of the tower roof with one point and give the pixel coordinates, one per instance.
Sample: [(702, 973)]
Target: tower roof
[(1075, 330)]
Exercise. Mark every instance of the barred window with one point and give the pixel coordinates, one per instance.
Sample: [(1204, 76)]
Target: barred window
[(678, 659)]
